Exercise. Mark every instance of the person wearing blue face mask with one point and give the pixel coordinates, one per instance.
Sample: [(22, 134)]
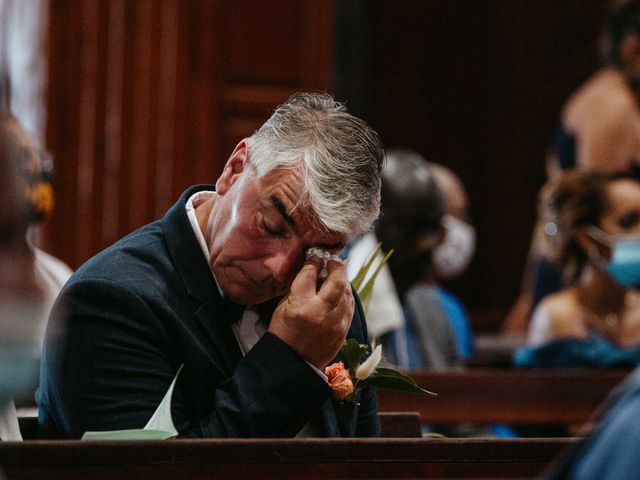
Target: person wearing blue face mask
[(592, 228), (624, 264)]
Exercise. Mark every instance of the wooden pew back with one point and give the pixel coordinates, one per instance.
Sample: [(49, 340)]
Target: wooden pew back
[(394, 425), (506, 396), (279, 459)]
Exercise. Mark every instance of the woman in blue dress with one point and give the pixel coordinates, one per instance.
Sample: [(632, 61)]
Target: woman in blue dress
[(592, 228)]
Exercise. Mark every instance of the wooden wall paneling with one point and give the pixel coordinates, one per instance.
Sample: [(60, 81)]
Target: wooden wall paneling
[(126, 108), (86, 161), (59, 234), (99, 77), (113, 143), (204, 71), (148, 97), (142, 49), (263, 48), (317, 53), (167, 98), (181, 123), (268, 56)]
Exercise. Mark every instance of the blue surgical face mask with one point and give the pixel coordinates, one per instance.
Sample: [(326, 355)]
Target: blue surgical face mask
[(624, 265)]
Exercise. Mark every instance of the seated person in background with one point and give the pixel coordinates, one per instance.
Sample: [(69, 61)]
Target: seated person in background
[(452, 257), (34, 168), (36, 193), (20, 293), (599, 130), (220, 286), (592, 228), (599, 127), (610, 451), (51, 272), (409, 313)]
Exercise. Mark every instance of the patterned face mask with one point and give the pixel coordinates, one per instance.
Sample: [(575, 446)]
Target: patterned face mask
[(39, 190), (454, 254)]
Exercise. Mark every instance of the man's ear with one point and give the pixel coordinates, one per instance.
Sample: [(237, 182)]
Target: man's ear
[(234, 167)]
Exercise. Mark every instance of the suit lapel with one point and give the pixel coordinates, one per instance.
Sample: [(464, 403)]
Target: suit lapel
[(219, 333), (325, 423)]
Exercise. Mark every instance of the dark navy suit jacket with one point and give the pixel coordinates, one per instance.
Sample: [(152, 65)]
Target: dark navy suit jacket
[(148, 304)]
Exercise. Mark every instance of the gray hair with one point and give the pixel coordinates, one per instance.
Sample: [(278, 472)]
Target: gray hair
[(340, 157)]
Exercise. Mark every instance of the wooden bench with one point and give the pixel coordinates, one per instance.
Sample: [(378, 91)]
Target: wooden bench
[(279, 459), (394, 424), (400, 424), (505, 396)]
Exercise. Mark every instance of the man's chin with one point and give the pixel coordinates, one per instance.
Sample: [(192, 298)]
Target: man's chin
[(250, 298)]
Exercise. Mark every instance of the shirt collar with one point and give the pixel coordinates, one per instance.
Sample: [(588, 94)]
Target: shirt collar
[(193, 220)]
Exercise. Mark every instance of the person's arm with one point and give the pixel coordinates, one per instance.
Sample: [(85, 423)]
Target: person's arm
[(609, 141), (116, 363), (273, 392)]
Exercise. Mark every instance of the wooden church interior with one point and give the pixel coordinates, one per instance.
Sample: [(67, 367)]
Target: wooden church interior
[(137, 100)]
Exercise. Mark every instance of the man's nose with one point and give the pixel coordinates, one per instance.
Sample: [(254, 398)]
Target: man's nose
[(282, 265)]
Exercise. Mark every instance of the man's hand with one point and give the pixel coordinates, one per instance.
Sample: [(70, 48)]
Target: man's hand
[(315, 321)]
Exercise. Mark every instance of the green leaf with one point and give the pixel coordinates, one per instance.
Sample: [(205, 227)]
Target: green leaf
[(365, 291), (353, 351), (392, 372), (394, 380), (362, 273)]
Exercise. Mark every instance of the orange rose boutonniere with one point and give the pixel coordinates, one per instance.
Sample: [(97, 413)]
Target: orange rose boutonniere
[(339, 380), (367, 372)]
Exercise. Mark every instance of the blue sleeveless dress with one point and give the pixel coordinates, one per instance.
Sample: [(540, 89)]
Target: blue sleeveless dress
[(594, 352)]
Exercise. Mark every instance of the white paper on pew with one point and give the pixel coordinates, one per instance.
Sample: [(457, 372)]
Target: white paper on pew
[(159, 427), (161, 419), (131, 434)]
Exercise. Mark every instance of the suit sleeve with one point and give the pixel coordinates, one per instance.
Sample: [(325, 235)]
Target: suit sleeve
[(115, 362)]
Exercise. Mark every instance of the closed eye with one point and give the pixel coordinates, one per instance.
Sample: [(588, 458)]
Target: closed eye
[(274, 230)]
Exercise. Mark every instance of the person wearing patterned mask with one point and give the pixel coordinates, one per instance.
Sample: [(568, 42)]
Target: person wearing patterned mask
[(592, 228), (453, 256), (36, 169), (419, 323), (21, 295)]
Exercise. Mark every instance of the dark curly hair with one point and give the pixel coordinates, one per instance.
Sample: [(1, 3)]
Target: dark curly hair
[(572, 200)]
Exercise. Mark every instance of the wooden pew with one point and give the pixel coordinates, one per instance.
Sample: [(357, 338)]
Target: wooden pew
[(279, 459), (400, 424), (505, 396), (394, 424)]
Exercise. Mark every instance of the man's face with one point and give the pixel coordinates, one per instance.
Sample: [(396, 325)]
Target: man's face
[(257, 240)]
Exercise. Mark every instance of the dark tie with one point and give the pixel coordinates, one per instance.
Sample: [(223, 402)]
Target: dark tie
[(233, 311)]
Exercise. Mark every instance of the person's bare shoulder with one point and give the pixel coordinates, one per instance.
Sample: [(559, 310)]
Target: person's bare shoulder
[(558, 316), (605, 99)]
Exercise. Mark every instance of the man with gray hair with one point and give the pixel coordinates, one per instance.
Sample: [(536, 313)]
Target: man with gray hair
[(223, 286)]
